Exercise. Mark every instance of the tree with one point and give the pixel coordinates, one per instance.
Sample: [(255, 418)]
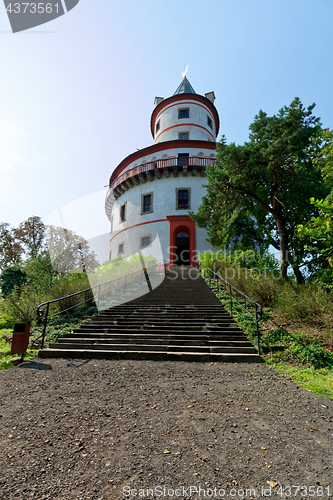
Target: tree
[(31, 233), (260, 192), (69, 251), (11, 250), (11, 278), (319, 229)]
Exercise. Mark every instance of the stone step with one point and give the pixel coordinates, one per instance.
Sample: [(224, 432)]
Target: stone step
[(161, 330), (157, 341), (161, 317), (149, 347), (179, 320), (151, 355), (163, 336)]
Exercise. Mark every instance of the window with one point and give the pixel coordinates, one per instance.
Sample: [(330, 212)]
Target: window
[(146, 203), (183, 136), (123, 212), (209, 122), (183, 198), (184, 113), (120, 248), (145, 241), (157, 126)]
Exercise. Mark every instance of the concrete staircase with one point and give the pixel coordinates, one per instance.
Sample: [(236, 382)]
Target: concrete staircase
[(180, 320)]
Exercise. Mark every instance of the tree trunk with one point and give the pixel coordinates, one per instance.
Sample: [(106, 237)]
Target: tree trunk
[(284, 252), (298, 274)]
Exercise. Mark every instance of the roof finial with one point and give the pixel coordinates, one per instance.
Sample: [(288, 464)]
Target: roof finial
[(184, 74)]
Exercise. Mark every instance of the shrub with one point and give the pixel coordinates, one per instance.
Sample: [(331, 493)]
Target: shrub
[(261, 284), (303, 302)]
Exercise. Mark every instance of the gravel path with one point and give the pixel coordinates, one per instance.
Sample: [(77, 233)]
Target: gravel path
[(95, 429)]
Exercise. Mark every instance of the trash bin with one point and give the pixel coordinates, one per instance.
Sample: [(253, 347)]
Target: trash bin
[(20, 340)]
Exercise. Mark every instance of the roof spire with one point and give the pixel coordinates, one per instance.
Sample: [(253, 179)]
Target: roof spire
[(185, 87)]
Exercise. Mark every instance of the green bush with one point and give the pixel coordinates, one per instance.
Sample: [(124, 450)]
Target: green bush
[(303, 302), (6, 320), (261, 284), (11, 278)]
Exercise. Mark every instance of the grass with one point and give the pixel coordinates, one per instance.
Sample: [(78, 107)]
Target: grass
[(298, 328), (319, 381), (5, 354), (57, 327), (6, 363)]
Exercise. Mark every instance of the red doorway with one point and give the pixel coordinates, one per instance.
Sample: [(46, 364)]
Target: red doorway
[(180, 224)]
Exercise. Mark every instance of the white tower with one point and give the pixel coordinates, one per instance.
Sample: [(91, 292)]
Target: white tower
[(152, 190)]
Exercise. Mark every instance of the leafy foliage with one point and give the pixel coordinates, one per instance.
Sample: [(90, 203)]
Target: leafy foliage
[(300, 348), (253, 192), (31, 234), (12, 277), (11, 249), (252, 273), (319, 232), (301, 304), (69, 252)]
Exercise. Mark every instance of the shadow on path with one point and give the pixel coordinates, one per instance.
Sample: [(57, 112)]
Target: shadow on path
[(34, 365)]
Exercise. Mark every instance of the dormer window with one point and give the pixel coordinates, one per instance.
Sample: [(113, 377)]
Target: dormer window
[(158, 125), (183, 113)]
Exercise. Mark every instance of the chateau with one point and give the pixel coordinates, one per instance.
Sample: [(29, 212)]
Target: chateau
[(152, 190)]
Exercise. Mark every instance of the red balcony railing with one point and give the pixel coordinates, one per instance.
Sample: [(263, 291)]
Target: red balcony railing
[(169, 163)]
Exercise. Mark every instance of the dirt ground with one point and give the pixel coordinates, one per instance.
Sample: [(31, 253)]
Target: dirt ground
[(111, 430)]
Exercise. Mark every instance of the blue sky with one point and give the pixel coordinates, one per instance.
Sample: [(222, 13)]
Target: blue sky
[(77, 93)]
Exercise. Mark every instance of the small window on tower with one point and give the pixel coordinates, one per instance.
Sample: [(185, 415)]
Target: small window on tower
[(146, 203), (183, 113), (210, 122), (123, 212), (120, 248), (145, 241), (157, 126), (183, 198), (183, 136)]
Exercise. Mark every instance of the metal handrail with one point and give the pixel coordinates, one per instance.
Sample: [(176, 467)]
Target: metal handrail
[(258, 308), (40, 311)]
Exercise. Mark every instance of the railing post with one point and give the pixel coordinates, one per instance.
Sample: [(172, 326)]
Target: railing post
[(99, 291), (45, 323), (258, 333), (230, 299)]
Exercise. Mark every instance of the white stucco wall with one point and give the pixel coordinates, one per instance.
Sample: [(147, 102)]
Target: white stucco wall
[(196, 124), (136, 225), (159, 232)]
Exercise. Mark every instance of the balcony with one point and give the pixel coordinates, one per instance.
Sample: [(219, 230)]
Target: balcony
[(192, 165)]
